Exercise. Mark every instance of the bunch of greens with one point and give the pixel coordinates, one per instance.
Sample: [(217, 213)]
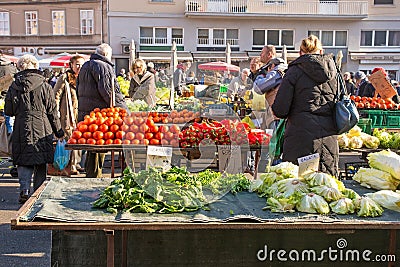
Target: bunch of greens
[(175, 190)]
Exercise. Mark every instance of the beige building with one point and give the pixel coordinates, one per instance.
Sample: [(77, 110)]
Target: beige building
[(44, 28), (366, 31)]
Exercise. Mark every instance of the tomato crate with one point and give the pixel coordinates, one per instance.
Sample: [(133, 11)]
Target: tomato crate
[(393, 119), (352, 167), (365, 124)]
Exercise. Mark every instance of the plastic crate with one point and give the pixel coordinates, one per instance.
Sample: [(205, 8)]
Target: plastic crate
[(393, 119), (378, 118), (365, 124), (352, 167)]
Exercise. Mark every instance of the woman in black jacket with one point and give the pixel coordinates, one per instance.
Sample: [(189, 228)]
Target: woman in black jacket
[(31, 100), (306, 99)]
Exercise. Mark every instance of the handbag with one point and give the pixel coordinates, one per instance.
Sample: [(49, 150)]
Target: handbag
[(5, 140), (346, 113)]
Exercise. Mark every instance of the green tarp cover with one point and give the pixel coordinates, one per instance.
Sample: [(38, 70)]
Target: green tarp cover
[(69, 200)]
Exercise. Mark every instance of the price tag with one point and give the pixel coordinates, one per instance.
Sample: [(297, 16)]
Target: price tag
[(159, 157), (230, 159), (308, 164), (382, 85)]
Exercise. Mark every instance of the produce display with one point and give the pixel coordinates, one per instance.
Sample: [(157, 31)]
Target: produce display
[(175, 190), (374, 103), (315, 192), (123, 85), (355, 138), (387, 139), (163, 95), (114, 126)]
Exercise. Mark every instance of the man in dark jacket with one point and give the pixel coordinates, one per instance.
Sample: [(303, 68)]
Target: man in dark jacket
[(31, 100), (306, 99), (95, 87), (364, 87)]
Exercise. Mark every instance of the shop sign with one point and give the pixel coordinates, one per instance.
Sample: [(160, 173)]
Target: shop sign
[(33, 50)]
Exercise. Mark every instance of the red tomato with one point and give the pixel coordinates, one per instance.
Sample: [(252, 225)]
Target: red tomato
[(120, 134), (164, 142), (108, 135), (109, 121), (93, 127), (145, 142), (148, 135), (90, 141), (76, 134), (139, 136), (129, 136), (135, 142), (72, 141), (109, 142), (153, 128), (144, 128), (98, 135), (154, 141), (100, 121), (114, 128), (118, 121), (126, 142), (174, 128), (100, 142), (82, 127), (117, 141), (169, 136), (159, 136), (124, 127), (163, 128), (81, 141), (103, 128), (87, 135)]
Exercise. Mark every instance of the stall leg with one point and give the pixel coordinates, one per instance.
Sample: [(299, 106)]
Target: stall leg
[(392, 245), (112, 164), (124, 248), (110, 248)]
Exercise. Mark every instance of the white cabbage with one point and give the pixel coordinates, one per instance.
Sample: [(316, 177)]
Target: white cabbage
[(376, 179), (366, 207), (343, 141), (355, 142), (387, 199), (342, 206), (329, 193), (313, 203), (385, 160)]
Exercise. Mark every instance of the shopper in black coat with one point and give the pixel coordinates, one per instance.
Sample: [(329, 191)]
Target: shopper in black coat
[(31, 100), (95, 84), (307, 100)]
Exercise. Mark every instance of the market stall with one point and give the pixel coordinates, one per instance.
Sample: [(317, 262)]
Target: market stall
[(233, 231)]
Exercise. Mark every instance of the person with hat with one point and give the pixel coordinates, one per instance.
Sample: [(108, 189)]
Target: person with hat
[(350, 87), (364, 87)]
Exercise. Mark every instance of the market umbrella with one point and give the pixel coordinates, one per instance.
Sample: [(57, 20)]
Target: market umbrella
[(44, 63), (284, 54), (219, 66), (174, 64), (63, 61), (9, 58), (339, 58)]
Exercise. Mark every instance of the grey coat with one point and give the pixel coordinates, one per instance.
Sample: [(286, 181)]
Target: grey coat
[(307, 101)]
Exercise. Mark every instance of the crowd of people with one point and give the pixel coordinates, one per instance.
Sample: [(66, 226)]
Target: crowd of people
[(45, 105)]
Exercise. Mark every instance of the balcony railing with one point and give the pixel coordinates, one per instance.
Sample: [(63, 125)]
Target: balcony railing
[(277, 8), (217, 42), (159, 41)]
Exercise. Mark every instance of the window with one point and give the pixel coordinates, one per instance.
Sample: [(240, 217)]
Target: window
[(331, 38), (87, 22), (217, 37), (273, 37), (58, 18), (383, 2), (4, 23), (160, 36), (380, 38), (31, 22)]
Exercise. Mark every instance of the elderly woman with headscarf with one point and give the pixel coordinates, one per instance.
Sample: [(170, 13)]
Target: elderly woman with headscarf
[(31, 100)]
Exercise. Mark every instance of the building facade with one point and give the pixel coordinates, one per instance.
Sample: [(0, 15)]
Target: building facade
[(366, 31), (45, 28)]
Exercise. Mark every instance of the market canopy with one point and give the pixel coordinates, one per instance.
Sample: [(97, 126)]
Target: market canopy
[(63, 61), (219, 66)]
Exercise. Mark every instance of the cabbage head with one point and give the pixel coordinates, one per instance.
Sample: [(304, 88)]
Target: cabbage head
[(350, 193), (321, 178), (376, 179), (366, 207), (343, 141), (313, 203), (386, 198), (355, 142), (355, 131), (282, 204), (286, 169), (370, 141), (328, 193), (385, 160), (342, 206)]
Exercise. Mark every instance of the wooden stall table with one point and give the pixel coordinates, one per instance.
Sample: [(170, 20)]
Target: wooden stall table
[(233, 231)]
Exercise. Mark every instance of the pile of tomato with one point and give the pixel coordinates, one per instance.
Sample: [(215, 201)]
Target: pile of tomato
[(110, 126), (374, 103)]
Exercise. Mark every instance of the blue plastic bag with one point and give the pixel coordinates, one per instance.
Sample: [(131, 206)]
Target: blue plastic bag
[(61, 156)]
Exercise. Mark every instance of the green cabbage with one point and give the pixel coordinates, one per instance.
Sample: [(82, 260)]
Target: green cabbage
[(329, 193), (342, 206), (387, 161), (313, 203), (387, 199), (384, 137), (282, 204), (366, 207), (350, 193), (395, 141), (270, 177), (321, 178), (287, 187), (286, 169), (377, 179)]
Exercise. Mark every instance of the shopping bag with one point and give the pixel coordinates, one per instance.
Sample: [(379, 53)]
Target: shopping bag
[(61, 156), (5, 140), (276, 143)]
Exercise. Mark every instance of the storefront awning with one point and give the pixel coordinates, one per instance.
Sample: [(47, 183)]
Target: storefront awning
[(375, 56), (164, 56), (219, 56)]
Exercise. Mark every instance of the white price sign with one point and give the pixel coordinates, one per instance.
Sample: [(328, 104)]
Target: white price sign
[(308, 164), (159, 157)]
